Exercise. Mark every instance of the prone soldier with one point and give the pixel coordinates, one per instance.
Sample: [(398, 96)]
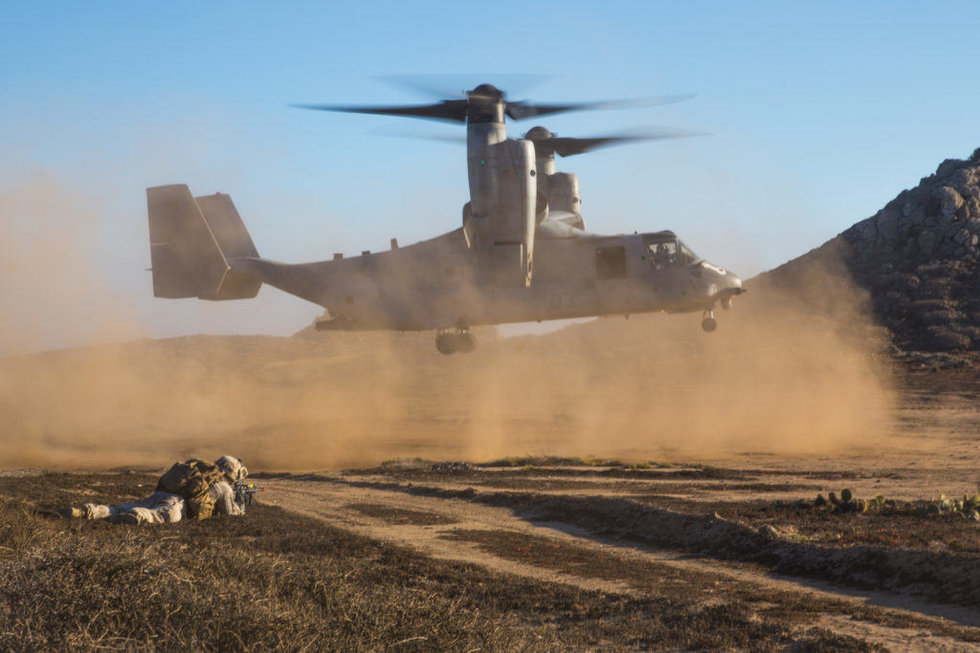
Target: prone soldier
[(194, 489)]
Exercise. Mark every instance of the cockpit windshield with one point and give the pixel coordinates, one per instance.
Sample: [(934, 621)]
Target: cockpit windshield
[(665, 253), (685, 255)]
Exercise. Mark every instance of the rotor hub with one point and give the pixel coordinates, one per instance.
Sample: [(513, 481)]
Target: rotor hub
[(486, 92), (538, 133)]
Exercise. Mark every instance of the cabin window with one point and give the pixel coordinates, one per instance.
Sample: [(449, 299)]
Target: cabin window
[(610, 262)]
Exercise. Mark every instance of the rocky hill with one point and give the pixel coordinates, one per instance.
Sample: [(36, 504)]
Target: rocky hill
[(918, 257)]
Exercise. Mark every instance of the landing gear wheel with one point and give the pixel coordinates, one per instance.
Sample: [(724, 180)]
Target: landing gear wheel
[(455, 340), (446, 342), (726, 303), (708, 321)]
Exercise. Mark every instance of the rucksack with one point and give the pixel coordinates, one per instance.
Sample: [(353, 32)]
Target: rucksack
[(191, 480)]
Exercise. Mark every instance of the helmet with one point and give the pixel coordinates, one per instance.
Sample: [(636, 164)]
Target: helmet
[(232, 468)]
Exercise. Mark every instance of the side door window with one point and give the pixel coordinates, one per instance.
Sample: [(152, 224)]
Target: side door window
[(610, 262)]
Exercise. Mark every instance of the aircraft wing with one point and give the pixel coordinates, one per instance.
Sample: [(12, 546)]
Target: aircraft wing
[(561, 224)]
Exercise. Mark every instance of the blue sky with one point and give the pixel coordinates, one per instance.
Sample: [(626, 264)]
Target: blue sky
[(819, 113)]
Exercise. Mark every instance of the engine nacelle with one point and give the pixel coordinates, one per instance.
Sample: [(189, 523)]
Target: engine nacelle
[(563, 193), (506, 236)]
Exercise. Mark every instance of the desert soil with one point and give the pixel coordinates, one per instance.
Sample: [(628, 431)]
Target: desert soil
[(740, 529)]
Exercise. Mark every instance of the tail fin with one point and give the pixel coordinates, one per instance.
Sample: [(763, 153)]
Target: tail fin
[(193, 245), (234, 242)]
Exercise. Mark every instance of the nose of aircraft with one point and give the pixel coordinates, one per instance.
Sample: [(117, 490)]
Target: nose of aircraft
[(731, 286), (732, 281), (721, 284)]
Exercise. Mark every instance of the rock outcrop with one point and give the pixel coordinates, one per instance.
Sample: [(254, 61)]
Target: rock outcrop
[(919, 257)]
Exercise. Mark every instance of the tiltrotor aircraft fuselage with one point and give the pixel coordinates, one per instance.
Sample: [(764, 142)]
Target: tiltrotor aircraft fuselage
[(521, 254)]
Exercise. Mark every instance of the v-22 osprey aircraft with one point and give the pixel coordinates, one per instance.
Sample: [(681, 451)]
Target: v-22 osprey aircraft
[(522, 253)]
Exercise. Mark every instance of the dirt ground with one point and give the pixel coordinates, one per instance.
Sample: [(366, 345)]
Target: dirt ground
[(713, 539), (742, 529)]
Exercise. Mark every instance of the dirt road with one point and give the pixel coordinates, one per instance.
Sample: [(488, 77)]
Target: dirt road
[(671, 531)]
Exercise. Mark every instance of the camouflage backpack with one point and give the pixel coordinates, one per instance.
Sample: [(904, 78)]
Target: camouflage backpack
[(191, 480)]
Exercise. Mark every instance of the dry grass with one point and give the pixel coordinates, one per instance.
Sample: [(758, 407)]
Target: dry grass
[(873, 551), (276, 580)]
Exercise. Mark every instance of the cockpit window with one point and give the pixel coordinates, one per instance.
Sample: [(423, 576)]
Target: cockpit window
[(662, 254), (667, 253), (685, 255)]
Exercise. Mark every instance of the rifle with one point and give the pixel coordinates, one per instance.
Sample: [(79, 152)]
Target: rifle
[(244, 492)]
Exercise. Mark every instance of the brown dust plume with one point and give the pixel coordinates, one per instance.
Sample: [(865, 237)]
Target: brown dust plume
[(52, 291), (793, 368)]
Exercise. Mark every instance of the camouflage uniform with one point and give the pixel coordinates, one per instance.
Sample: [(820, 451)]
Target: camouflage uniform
[(164, 507), (222, 492), (158, 508)]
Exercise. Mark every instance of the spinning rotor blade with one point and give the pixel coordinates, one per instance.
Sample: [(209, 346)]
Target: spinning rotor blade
[(454, 110), (566, 146), (523, 109), (573, 146), (457, 110)]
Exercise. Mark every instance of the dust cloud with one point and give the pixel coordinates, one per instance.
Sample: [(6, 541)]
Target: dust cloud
[(793, 368), (52, 290)]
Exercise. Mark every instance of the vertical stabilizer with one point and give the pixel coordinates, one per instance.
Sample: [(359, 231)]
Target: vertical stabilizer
[(226, 226), (234, 242), (186, 259), (193, 244)]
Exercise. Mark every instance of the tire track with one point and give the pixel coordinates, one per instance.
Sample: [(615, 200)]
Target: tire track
[(335, 500)]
